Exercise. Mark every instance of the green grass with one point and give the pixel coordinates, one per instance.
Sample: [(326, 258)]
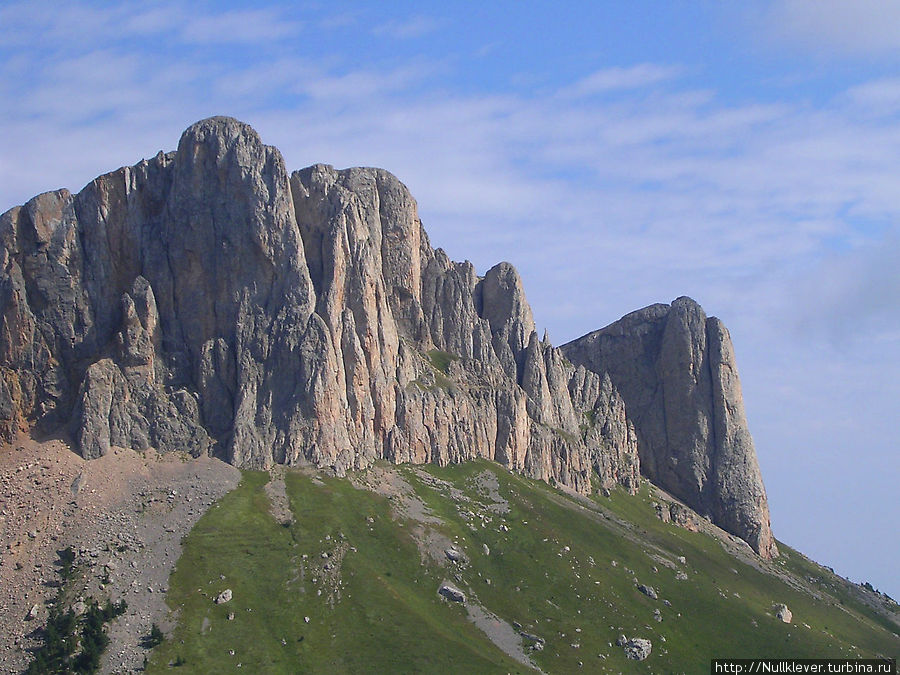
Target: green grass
[(441, 360), (387, 617)]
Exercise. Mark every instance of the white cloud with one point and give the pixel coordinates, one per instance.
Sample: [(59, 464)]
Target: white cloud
[(858, 27), (259, 26), (413, 27), (616, 79), (879, 97)]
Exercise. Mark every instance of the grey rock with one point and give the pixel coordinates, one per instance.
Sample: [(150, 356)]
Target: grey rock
[(782, 613), (206, 300), (452, 593), (453, 555), (223, 597), (676, 372), (649, 591), (638, 649)]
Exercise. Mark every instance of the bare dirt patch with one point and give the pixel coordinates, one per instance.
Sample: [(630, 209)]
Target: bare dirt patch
[(124, 515), (276, 491), (488, 486)]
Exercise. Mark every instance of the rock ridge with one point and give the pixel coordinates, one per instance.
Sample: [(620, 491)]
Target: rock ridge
[(208, 300), (676, 371)]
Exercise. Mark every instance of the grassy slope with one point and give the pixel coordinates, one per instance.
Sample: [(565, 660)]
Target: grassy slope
[(388, 617)]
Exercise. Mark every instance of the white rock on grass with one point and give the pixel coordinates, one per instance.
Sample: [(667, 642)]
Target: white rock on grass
[(638, 649), (782, 613)]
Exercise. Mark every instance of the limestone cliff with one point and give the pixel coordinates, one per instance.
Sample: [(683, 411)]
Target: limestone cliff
[(676, 372), (207, 300)]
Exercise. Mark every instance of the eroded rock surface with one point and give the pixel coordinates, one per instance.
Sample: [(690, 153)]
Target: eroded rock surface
[(676, 372), (206, 300)]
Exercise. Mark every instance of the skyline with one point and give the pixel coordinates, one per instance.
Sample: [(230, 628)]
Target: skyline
[(743, 158)]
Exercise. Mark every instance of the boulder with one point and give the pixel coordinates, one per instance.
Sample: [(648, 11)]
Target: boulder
[(649, 591), (638, 649), (453, 555), (782, 613), (452, 593), (223, 597)]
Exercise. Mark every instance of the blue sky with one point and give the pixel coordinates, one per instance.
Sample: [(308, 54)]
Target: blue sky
[(619, 154)]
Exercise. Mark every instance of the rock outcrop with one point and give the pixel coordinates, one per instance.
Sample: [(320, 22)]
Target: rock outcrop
[(676, 371), (207, 300)]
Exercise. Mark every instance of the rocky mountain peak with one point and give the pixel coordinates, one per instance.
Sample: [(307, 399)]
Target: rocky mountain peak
[(207, 300), (676, 371)]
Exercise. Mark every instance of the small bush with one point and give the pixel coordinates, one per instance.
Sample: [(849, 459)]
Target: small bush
[(155, 638), (66, 563)]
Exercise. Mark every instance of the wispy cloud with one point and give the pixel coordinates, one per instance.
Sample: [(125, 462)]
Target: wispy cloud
[(243, 26), (617, 79), (860, 27), (403, 29)]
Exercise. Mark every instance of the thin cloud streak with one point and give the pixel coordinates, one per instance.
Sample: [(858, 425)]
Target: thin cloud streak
[(405, 29), (617, 79)]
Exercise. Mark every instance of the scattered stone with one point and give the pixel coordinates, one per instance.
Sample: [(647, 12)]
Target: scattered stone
[(657, 615), (452, 593), (681, 576), (487, 551), (648, 591), (223, 597), (33, 613), (453, 555), (638, 649), (621, 640), (782, 613), (662, 512)]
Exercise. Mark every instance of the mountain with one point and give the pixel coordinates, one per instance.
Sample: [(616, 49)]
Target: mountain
[(413, 480), (207, 300)]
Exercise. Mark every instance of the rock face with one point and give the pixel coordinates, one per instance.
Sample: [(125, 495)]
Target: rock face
[(207, 300), (676, 371)]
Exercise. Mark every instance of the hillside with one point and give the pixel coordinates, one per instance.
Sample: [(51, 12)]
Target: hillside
[(347, 581)]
